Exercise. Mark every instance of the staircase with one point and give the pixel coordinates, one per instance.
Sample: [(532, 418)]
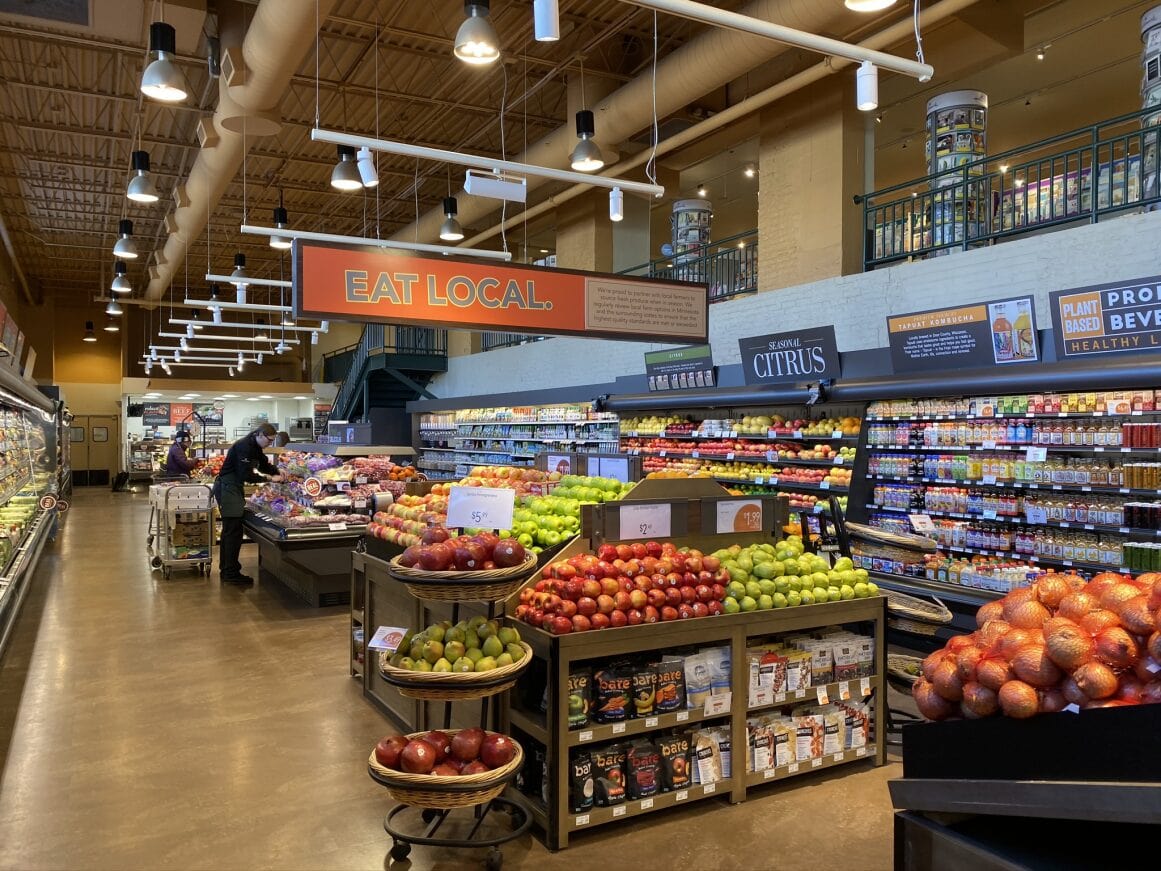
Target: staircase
[(390, 367)]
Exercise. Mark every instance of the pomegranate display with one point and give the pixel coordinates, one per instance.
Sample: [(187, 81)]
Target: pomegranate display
[(1062, 641)]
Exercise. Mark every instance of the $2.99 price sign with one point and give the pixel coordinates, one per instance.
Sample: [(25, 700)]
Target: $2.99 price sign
[(645, 521), (480, 508)]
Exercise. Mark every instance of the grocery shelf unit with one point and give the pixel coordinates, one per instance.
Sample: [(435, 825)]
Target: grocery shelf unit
[(555, 655)]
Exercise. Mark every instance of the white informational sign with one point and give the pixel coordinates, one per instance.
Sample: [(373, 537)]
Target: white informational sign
[(644, 521), (480, 508), (387, 638), (739, 515)]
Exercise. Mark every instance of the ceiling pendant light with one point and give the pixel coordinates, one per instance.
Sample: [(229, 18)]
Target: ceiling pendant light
[(281, 221), (111, 326), (162, 80), (586, 157), (141, 189), (345, 176), (546, 20), (125, 248), (89, 336), (368, 175), (450, 230), (113, 310), (867, 82), (120, 282), (476, 40), (868, 5), (616, 205)]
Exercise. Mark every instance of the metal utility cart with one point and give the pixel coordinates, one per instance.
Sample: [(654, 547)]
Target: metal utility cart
[(181, 527)]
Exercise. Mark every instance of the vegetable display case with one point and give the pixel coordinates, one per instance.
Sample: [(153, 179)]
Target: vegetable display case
[(30, 481)]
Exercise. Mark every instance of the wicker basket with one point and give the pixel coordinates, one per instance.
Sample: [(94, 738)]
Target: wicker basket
[(486, 585), (448, 686), (431, 791)]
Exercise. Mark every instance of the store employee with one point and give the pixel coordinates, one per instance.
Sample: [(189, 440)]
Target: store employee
[(244, 461)]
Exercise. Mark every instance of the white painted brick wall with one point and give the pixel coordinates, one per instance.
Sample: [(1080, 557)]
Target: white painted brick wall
[(857, 305)]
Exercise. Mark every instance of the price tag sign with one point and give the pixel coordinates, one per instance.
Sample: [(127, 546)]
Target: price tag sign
[(387, 638), (921, 523), (312, 487), (1036, 455), (738, 515), (337, 527), (480, 507), (1036, 514), (637, 521), (865, 686), (716, 706), (823, 696), (619, 728), (619, 810)]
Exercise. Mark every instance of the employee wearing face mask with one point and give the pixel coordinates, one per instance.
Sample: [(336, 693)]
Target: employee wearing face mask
[(244, 461)]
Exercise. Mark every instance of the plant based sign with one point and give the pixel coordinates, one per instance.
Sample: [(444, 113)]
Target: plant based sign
[(371, 284), (802, 355), (1121, 318)]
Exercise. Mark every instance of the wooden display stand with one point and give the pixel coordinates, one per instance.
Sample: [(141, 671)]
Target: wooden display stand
[(693, 513)]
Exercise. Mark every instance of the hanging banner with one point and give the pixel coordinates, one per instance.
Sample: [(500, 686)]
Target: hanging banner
[(1118, 318), (985, 334), (802, 355), (680, 369), (359, 283), (155, 414)]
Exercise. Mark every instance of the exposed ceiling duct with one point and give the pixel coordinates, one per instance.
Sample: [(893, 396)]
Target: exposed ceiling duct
[(258, 63)]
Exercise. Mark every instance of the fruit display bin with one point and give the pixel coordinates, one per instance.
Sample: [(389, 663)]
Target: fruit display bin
[(558, 655)]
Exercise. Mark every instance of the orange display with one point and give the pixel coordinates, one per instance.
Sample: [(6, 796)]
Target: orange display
[(371, 284)]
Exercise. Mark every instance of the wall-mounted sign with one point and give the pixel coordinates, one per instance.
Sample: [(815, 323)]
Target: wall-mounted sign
[(803, 355), (1120, 318), (370, 284), (984, 334), (680, 369), (155, 414)]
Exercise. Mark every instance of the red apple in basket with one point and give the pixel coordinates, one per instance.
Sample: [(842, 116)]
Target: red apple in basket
[(497, 750), (388, 749), (465, 744)]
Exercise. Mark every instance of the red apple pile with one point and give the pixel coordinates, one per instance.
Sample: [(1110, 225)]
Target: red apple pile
[(438, 551), (468, 751), (1061, 641), (624, 585)]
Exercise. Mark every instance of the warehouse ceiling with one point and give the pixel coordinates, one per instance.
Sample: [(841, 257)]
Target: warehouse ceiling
[(71, 113)]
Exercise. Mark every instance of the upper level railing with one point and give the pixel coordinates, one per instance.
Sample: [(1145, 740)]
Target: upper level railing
[(729, 268), (1084, 175)]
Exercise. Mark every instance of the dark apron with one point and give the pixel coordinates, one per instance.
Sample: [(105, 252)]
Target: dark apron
[(230, 497)]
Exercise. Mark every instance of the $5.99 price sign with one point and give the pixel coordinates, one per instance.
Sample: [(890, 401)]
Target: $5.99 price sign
[(480, 507), (645, 521)]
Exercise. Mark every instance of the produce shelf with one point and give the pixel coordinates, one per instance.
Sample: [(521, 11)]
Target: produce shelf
[(856, 754), (600, 815), (856, 688), (1016, 520), (596, 732), (1019, 485)]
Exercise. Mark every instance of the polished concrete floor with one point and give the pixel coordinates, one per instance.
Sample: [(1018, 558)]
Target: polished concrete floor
[(149, 723)]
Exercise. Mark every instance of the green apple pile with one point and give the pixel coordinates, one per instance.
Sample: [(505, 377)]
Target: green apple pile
[(471, 645), (766, 576)]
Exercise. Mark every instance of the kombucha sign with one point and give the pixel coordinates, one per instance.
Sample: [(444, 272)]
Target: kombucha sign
[(357, 283), (1121, 318)]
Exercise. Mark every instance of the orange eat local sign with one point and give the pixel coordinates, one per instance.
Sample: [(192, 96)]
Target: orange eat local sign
[(358, 283)]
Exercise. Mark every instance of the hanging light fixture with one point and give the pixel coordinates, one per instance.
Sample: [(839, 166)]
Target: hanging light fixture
[(368, 175), (162, 80), (111, 326), (89, 336), (616, 205), (345, 176), (141, 189), (868, 5), (450, 230), (476, 40), (125, 248), (546, 20), (113, 310), (281, 221), (586, 156), (120, 282), (867, 82)]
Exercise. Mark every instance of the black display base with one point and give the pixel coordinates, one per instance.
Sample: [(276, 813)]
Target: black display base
[(1118, 745)]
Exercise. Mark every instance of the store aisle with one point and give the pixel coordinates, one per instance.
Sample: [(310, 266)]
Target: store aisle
[(147, 723)]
